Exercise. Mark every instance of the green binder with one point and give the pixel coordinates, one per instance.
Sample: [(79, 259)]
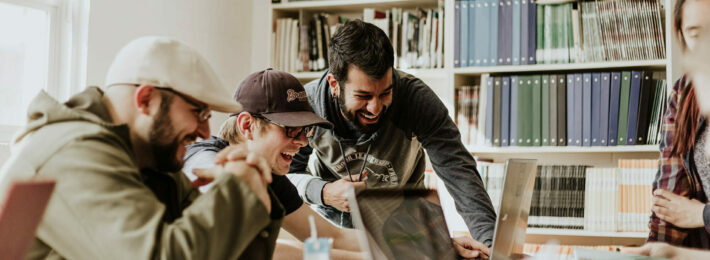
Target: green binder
[(623, 107), (536, 110), (545, 110)]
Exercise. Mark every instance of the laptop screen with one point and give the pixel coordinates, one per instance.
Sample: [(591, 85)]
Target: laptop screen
[(403, 224)]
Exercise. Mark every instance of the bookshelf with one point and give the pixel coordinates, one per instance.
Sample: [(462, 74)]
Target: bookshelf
[(444, 81), (657, 64)]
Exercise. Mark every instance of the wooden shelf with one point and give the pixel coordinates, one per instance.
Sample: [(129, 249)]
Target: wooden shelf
[(349, 5), (420, 73), (558, 67), (584, 237), (307, 75), (563, 149)]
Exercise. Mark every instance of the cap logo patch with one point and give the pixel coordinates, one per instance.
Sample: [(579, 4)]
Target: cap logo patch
[(293, 95)]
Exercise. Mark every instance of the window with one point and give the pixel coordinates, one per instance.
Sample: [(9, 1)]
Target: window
[(42, 47)]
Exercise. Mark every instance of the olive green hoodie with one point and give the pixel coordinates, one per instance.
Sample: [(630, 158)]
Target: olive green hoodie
[(102, 206)]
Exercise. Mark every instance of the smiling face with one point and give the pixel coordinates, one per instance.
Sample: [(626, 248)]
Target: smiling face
[(174, 126), (363, 100), (270, 140), (695, 21)]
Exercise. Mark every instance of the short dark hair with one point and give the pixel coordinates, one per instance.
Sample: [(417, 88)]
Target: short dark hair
[(360, 44)]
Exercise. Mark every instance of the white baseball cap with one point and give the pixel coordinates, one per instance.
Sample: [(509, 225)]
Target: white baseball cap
[(167, 63)]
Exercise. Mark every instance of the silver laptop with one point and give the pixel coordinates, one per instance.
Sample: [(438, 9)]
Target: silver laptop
[(409, 223)]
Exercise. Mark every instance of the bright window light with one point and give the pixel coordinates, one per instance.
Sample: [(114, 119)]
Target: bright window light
[(24, 59)]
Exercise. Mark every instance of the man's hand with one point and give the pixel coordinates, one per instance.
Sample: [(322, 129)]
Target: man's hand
[(253, 178), (248, 166), (241, 153), (204, 177), (335, 193), (467, 247), (653, 249), (678, 210)]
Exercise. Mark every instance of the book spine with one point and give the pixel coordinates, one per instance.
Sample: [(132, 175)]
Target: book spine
[(497, 116), (489, 112), (624, 106), (457, 34), (505, 111), (545, 110), (596, 108), (604, 108), (513, 140), (536, 110), (552, 96), (634, 95), (561, 110), (587, 109)]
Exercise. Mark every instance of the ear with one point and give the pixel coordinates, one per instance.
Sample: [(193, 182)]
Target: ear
[(333, 84), (145, 97), (245, 125)]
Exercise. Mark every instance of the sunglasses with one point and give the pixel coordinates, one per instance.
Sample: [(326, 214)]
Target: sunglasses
[(291, 132), (203, 111)]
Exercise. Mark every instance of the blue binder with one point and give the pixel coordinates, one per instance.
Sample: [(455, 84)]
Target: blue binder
[(524, 37), (513, 111), (596, 108), (587, 109), (578, 109), (634, 96), (505, 112), (494, 31), (515, 32), (604, 108), (457, 34), (570, 109), (464, 32)]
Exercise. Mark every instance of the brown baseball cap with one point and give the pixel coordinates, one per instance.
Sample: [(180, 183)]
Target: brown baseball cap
[(279, 97)]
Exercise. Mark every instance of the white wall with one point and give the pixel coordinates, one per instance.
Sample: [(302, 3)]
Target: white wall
[(219, 29)]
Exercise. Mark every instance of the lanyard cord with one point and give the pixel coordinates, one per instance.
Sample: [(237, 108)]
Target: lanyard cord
[(364, 162)]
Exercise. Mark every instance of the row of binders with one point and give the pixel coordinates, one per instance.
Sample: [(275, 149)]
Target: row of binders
[(522, 32), (576, 109), (582, 197)]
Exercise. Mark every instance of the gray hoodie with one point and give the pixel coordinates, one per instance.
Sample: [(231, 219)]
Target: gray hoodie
[(416, 121)]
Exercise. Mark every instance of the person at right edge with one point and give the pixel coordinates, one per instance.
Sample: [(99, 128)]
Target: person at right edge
[(681, 189), (383, 121)]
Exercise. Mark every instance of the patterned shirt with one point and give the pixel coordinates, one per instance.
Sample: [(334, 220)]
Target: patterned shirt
[(673, 176)]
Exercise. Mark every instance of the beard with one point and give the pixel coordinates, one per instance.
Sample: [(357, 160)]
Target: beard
[(353, 118), (164, 154)]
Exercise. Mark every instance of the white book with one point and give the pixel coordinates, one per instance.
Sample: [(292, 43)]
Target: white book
[(295, 55), (482, 102)]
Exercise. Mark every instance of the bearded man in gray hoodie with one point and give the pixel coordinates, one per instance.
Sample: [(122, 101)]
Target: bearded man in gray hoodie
[(383, 121)]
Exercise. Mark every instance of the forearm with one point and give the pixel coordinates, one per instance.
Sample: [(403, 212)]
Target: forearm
[(346, 239), (287, 249), (309, 187)]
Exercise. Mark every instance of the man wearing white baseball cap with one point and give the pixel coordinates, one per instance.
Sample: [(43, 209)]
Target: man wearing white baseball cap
[(116, 155)]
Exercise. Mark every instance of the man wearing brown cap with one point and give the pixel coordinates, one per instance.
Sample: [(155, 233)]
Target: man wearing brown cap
[(116, 155), (275, 122), (384, 120)]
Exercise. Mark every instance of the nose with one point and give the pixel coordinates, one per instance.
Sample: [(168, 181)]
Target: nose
[(374, 106), (203, 129), (301, 140)]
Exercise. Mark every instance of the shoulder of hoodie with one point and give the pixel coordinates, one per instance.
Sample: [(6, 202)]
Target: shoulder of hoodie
[(49, 140)]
